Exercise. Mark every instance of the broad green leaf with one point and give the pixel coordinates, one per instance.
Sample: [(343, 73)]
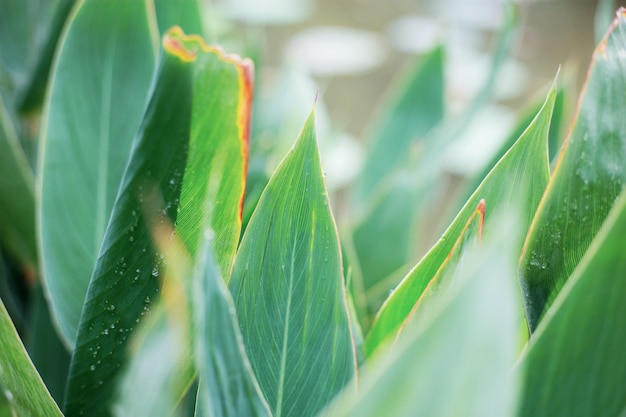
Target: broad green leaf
[(125, 278), (52, 21), (518, 180), (588, 176), (574, 365), (288, 288), (215, 176), (23, 390), (187, 14), (456, 358), (17, 197), (98, 90), (227, 384), (199, 108), (416, 107)]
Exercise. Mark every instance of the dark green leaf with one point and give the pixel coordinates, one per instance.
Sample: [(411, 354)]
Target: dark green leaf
[(54, 21), (186, 168), (588, 176), (23, 390), (125, 278), (97, 97), (574, 365), (288, 287), (17, 196), (518, 180)]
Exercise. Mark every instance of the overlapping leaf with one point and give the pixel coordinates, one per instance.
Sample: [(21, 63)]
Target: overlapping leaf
[(187, 14), (574, 365), (23, 390), (199, 108), (588, 176), (288, 288), (454, 360), (518, 180), (96, 100)]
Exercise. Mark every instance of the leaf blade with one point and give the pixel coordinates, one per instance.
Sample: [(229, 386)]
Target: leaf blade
[(587, 179), (18, 376), (75, 178), (505, 186), (279, 303)]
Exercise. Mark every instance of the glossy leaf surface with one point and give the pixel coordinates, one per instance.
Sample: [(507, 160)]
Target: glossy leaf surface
[(23, 391), (588, 177), (288, 288), (125, 277), (574, 365), (518, 180), (171, 178), (86, 137)]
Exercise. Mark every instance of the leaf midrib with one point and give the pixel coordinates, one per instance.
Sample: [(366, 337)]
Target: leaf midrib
[(283, 358), (103, 148)]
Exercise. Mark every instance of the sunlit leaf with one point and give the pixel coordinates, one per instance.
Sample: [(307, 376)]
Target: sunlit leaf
[(574, 365), (288, 288), (187, 14), (173, 177), (518, 180), (23, 390), (87, 134), (588, 176)]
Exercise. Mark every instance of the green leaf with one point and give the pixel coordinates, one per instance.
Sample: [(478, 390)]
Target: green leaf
[(604, 16), (186, 14), (289, 291), (456, 358), (23, 390), (518, 180), (17, 197), (29, 31), (45, 348), (53, 21), (215, 176), (125, 279), (98, 90), (574, 365), (199, 108), (227, 384), (415, 108), (588, 176)]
